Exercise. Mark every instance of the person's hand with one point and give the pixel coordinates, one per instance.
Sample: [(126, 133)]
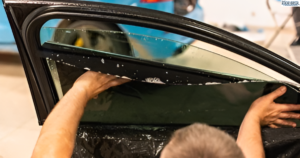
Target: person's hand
[(92, 83), (272, 114)]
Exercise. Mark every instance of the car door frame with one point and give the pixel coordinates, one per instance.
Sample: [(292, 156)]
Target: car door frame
[(26, 19)]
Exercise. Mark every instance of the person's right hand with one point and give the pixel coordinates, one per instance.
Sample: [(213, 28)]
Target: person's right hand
[(93, 83), (273, 114)]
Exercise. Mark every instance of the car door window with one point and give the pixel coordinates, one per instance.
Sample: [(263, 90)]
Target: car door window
[(156, 95), (150, 48), (192, 60)]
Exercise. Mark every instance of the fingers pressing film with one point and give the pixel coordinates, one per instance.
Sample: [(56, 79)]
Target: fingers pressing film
[(274, 126), (115, 82), (289, 115), (285, 123), (289, 107)]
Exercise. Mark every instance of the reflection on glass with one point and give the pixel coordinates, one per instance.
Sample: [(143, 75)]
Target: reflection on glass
[(150, 48)]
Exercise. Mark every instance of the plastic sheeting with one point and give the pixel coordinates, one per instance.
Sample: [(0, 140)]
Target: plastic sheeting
[(120, 141), (94, 141)]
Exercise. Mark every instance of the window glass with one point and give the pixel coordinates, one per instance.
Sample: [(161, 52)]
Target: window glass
[(179, 96), (246, 61), (150, 48)]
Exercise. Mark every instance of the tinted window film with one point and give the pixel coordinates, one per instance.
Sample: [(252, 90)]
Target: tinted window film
[(191, 84), (148, 103)]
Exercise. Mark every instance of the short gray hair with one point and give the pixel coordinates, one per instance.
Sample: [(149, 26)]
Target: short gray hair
[(201, 141)]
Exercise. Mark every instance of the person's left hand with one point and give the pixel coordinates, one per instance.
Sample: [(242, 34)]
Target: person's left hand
[(273, 114)]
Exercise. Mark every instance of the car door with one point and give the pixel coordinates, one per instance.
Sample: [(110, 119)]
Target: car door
[(190, 84)]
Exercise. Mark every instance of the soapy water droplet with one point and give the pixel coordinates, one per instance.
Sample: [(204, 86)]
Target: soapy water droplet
[(62, 59), (57, 55), (102, 60), (117, 65), (58, 61), (47, 58), (86, 68), (122, 65), (189, 84), (125, 77), (154, 80), (83, 57), (167, 72), (167, 80)]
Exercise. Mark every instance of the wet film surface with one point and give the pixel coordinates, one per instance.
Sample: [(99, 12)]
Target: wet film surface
[(187, 98), (148, 103)]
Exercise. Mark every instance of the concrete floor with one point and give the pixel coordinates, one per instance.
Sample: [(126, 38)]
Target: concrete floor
[(19, 128)]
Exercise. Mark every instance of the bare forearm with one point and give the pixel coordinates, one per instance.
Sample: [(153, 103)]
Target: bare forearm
[(57, 135), (250, 139)]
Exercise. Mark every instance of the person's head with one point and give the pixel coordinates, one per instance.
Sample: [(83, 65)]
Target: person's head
[(201, 141)]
